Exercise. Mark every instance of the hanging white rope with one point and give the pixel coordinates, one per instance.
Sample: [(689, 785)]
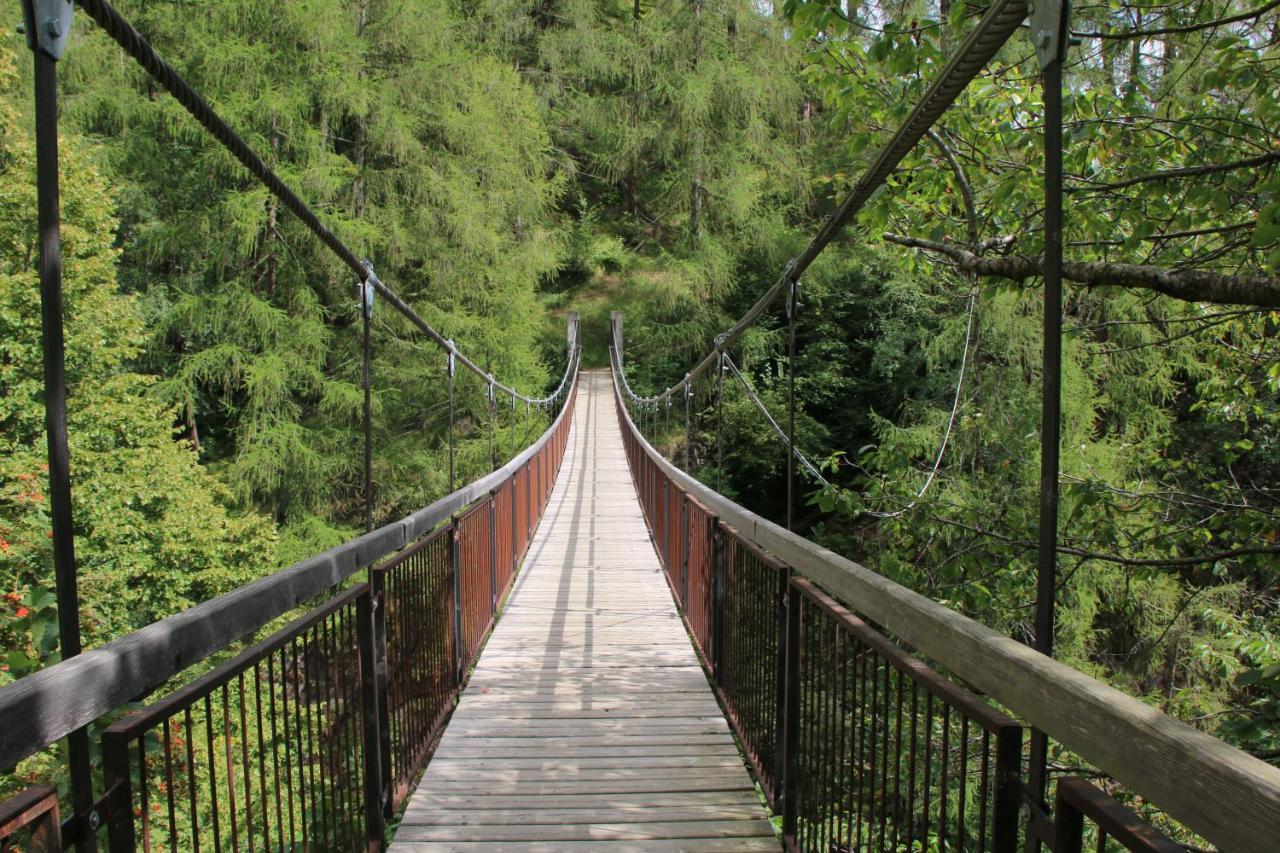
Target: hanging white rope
[(951, 419)]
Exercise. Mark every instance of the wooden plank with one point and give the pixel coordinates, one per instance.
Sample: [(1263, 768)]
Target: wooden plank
[(588, 722), (602, 814), (687, 845), (590, 831)]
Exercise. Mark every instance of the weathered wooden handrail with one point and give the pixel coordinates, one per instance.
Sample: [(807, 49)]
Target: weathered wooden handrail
[(43, 707), (1227, 796)]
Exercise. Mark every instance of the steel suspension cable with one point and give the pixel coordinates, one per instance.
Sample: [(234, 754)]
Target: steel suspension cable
[(773, 423), (131, 41), (1001, 20), (951, 419)]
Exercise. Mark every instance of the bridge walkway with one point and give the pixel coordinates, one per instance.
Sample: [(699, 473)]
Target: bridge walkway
[(588, 723)]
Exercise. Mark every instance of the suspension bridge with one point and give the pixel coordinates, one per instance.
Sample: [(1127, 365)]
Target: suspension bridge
[(588, 648)]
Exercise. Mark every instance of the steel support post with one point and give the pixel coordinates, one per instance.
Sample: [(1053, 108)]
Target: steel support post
[(1049, 34), (49, 215)]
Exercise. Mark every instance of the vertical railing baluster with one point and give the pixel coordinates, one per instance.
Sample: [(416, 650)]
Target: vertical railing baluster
[(372, 700), (493, 552), (780, 677), (46, 40), (378, 601), (718, 616), (791, 716), (118, 780), (455, 562), (1005, 815)]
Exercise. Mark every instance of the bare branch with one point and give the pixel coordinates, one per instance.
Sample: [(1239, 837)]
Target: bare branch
[(1187, 285), (1186, 28), (1185, 172)]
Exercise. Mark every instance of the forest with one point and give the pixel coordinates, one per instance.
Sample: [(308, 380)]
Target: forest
[(503, 163)]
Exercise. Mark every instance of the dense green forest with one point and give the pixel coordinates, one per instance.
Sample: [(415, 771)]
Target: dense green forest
[(504, 162)]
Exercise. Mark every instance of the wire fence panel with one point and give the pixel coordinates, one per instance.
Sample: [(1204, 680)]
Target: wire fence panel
[(476, 583), (421, 678), (750, 662), (890, 754), (699, 564), (263, 752), (504, 539)]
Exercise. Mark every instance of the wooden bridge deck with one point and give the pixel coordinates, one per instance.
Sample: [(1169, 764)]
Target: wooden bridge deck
[(588, 723)]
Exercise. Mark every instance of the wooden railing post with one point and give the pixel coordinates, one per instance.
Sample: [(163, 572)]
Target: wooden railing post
[(375, 803), (791, 717)]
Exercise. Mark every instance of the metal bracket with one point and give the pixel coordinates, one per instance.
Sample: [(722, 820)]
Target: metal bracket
[(491, 389), (367, 289), (1048, 21), (450, 365), (48, 25), (794, 298)]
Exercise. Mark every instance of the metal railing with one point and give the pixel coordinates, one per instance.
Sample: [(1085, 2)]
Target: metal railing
[(859, 745), (313, 737)]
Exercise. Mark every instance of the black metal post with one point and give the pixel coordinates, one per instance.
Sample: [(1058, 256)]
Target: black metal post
[(118, 779), (780, 677), (378, 601), (374, 805), (684, 550), (1004, 824), (493, 465), (1052, 47), (688, 427), (718, 616), (493, 552), (719, 420), (366, 311), (791, 718), (792, 307), (452, 450), (455, 563), (513, 424), (49, 213)]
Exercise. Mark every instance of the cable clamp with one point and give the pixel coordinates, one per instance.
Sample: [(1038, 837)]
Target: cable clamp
[(47, 24), (367, 288), (1048, 30)]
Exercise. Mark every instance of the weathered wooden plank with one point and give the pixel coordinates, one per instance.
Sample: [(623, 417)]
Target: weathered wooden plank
[(686, 845), (594, 799), (590, 831), (601, 814)]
